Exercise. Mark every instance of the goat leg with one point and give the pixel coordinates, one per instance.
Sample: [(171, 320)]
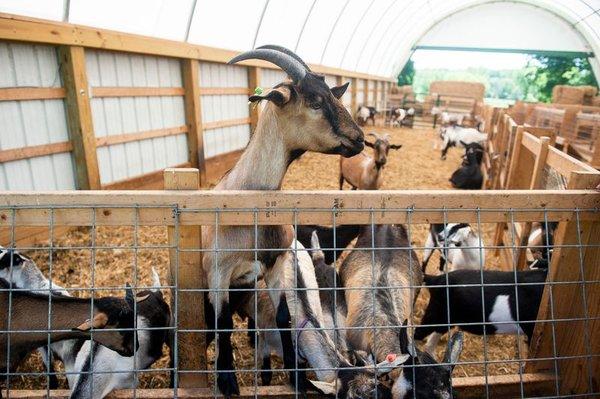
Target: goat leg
[(298, 378), (226, 379)]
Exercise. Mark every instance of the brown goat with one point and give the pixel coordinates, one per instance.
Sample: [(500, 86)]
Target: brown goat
[(364, 172), (26, 317), (380, 292), (300, 115)]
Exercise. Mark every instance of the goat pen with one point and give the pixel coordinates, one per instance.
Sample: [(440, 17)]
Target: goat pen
[(565, 360)]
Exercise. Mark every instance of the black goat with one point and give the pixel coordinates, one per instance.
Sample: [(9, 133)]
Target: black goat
[(468, 176)]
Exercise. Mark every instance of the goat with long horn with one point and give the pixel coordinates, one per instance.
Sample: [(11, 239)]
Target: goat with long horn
[(300, 115)]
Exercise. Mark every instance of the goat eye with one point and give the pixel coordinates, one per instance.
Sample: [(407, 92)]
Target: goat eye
[(315, 105)]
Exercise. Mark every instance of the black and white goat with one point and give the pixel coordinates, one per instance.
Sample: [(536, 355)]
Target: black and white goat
[(540, 244), (300, 115), (402, 117), (458, 244), (94, 370), (364, 114), (379, 277), (508, 310), (453, 135), (468, 176)]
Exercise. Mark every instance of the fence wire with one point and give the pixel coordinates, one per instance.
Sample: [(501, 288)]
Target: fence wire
[(245, 329)]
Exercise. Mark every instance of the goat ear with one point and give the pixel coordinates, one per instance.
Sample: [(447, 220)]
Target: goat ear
[(279, 96), (99, 321), (141, 298), (455, 345), (326, 388), (338, 91), (369, 144), (395, 146)]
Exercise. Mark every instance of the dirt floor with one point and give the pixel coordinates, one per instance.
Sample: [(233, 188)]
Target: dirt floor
[(415, 166)]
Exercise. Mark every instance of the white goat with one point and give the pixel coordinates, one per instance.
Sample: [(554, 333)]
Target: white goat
[(458, 244)]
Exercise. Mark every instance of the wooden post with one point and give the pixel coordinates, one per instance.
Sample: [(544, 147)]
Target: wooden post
[(193, 115), (366, 92), (595, 162), (536, 183), (578, 264), (375, 93), (79, 116), (254, 74), (186, 272), (353, 91), (512, 171)]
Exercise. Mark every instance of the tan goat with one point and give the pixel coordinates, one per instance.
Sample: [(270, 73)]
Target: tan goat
[(300, 115), (365, 172)]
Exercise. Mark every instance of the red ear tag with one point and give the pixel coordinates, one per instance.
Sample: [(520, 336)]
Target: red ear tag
[(391, 357)]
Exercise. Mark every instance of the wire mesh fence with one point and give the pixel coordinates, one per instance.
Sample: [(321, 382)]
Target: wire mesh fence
[(240, 303)]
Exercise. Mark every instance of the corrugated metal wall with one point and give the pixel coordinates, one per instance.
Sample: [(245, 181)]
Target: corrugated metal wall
[(120, 115), (360, 93), (224, 107), (33, 122), (370, 93)]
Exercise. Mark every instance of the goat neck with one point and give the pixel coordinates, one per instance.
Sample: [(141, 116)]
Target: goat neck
[(264, 163)]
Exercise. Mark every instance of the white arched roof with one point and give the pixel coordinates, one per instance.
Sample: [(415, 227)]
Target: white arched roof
[(371, 36)]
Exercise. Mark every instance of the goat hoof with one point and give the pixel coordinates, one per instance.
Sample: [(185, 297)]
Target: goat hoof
[(227, 383), (266, 377), (299, 381)]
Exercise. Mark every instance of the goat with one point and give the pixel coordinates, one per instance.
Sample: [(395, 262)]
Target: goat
[(364, 113), (468, 176), (300, 115), (458, 244), (294, 295), (364, 172), (94, 370), (24, 273), (504, 314), (390, 271), (343, 237), (475, 148), (114, 369), (452, 135), (333, 305), (402, 117), (69, 319), (449, 118), (540, 244)]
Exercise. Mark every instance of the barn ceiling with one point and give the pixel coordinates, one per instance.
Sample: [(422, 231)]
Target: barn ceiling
[(372, 36)]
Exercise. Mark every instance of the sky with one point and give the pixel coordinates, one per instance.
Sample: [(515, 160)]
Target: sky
[(438, 59)]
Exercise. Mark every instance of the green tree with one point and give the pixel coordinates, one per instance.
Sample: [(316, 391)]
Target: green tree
[(544, 72), (407, 74)]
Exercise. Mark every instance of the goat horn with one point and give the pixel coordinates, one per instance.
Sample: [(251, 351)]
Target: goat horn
[(284, 50), (287, 63), (374, 135)]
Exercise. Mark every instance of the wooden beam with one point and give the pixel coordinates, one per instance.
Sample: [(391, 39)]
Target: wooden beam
[(225, 91), (186, 273), (500, 386), (226, 123), (136, 91), (138, 136), (190, 70), (418, 206), (572, 340), (79, 116), (27, 29), (33, 151), (254, 75), (31, 93)]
